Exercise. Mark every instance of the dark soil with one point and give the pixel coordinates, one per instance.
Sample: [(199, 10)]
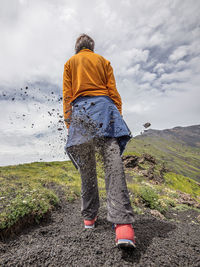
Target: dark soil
[(62, 241)]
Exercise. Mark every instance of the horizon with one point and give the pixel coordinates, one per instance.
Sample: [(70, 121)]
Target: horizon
[(67, 158)]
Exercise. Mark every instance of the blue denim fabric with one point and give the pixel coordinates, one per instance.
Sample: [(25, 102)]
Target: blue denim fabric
[(96, 117)]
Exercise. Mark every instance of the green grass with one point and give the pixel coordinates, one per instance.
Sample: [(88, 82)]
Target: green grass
[(151, 196), (29, 189), (160, 196), (186, 185), (25, 189), (179, 158)]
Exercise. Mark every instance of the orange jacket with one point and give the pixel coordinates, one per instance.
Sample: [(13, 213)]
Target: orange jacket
[(88, 74)]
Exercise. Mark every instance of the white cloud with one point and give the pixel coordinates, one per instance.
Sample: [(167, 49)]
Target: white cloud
[(179, 53), (153, 47)]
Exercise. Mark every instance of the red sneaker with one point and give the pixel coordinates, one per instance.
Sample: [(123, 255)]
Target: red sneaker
[(90, 223), (125, 236)]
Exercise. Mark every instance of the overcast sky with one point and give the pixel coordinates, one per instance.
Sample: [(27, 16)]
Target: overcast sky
[(153, 46)]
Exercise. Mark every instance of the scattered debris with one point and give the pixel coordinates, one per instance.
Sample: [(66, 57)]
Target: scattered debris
[(145, 166), (130, 161), (157, 214), (185, 198), (147, 124)]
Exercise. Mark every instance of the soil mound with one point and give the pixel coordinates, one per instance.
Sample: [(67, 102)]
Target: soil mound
[(145, 165)]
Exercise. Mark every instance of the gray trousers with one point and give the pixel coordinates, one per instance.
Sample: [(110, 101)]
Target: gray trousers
[(118, 202)]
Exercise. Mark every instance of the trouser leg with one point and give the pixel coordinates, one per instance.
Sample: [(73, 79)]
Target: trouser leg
[(85, 155), (118, 202)]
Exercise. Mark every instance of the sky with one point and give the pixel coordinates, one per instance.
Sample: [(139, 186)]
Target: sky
[(153, 47)]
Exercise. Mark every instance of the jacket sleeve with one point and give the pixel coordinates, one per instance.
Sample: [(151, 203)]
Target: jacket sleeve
[(112, 90), (67, 95)]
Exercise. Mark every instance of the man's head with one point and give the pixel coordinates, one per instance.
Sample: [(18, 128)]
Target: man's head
[(84, 41)]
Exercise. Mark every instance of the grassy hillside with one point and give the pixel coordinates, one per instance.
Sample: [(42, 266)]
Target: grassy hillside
[(25, 189), (30, 190), (177, 156)]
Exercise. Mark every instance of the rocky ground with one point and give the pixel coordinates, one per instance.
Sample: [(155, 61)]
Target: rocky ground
[(61, 240)]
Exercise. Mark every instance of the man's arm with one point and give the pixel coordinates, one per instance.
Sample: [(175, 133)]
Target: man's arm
[(67, 94), (112, 90)]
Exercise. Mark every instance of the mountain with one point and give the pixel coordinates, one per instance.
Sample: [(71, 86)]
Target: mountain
[(178, 148), (185, 135)]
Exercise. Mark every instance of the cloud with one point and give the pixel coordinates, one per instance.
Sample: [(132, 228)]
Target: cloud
[(153, 47), (179, 53)]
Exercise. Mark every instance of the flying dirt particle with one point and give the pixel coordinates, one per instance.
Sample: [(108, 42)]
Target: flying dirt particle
[(60, 121), (26, 87), (23, 115), (100, 125), (53, 109), (49, 113), (13, 99), (92, 104), (61, 116), (147, 124)]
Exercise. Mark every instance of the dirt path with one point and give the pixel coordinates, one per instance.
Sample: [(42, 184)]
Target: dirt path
[(62, 241)]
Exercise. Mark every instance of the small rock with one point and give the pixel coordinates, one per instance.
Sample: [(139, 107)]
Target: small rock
[(130, 161), (157, 214)]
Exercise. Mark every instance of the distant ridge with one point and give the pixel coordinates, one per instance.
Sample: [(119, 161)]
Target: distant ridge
[(178, 148), (189, 135)]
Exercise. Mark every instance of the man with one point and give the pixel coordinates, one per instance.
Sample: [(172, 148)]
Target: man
[(92, 112)]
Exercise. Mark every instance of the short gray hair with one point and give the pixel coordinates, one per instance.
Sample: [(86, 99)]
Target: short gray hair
[(85, 41)]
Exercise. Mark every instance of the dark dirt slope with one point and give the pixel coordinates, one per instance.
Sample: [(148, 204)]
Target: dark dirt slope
[(62, 241)]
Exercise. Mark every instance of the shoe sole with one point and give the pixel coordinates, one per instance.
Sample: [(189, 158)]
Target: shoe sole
[(89, 226), (125, 243)]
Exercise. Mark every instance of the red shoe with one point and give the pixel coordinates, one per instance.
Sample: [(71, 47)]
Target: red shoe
[(90, 223), (125, 236)]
